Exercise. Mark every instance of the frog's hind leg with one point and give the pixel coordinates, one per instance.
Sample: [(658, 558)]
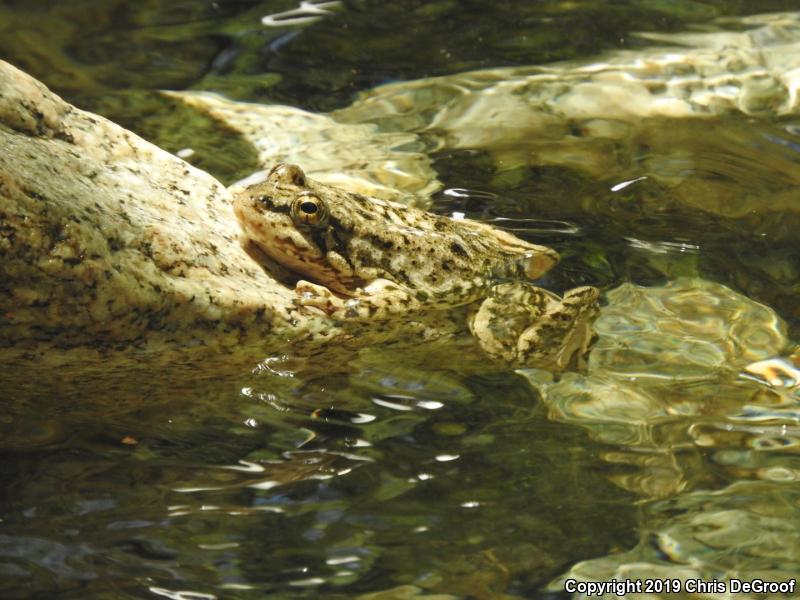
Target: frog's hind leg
[(562, 340), (527, 325), (379, 300)]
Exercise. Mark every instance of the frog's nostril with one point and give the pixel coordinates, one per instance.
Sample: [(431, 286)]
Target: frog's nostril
[(264, 201)]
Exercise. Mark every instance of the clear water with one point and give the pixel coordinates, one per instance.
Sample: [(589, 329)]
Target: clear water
[(339, 475)]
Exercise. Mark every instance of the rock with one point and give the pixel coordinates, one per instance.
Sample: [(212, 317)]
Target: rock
[(107, 240), (108, 243), (355, 157)]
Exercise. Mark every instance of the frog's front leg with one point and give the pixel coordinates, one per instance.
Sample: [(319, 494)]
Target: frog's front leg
[(380, 299), (527, 325), (313, 296)]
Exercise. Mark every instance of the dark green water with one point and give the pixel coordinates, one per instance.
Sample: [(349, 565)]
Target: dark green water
[(350, 476)]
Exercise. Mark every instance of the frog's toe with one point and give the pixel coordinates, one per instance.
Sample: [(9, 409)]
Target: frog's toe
[(313, 296)]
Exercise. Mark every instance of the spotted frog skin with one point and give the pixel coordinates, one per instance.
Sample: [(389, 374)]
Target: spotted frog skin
[(369, 259)]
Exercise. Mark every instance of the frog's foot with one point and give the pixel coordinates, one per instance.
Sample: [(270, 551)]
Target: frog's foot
[(379, 300), (527, 325), (315, 298)]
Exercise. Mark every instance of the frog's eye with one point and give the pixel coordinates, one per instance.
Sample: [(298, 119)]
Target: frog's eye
[(288, 174), (309, 210)]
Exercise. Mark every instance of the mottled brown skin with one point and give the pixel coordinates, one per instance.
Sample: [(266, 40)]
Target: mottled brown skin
[(372, 259)]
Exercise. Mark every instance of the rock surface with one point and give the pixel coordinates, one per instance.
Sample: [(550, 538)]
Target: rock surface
[(109, 241)]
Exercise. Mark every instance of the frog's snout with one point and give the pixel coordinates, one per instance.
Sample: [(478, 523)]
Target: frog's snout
[(540, 261)]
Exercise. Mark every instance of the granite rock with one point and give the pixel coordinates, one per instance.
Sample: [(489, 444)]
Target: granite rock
[(110, 241)]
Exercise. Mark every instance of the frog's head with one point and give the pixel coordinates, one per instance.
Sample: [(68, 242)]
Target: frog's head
[(299, 224)]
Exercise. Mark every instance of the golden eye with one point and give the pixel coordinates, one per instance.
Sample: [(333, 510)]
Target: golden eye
[(309, 210)]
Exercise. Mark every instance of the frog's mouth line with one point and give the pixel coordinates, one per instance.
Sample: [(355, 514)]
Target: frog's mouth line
[(273, 268), (289, 277)]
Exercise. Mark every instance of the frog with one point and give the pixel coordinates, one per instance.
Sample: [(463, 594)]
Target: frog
[(360, 259)]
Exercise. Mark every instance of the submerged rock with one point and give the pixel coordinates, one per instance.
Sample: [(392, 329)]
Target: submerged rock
[(675, 387), (665, 357), (628, 117), (356, 157), (746, 531), (755, 72)]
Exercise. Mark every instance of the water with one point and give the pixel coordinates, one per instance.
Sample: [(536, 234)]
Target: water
[(372, 477), (351, 473)]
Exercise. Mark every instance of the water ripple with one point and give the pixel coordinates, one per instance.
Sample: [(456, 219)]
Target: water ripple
[(309, 11)]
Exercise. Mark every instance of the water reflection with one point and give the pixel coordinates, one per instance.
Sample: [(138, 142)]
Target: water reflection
[(665, 355), (288, 487), (697, 441), (307, 462), (309, 11), (748, 529)]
